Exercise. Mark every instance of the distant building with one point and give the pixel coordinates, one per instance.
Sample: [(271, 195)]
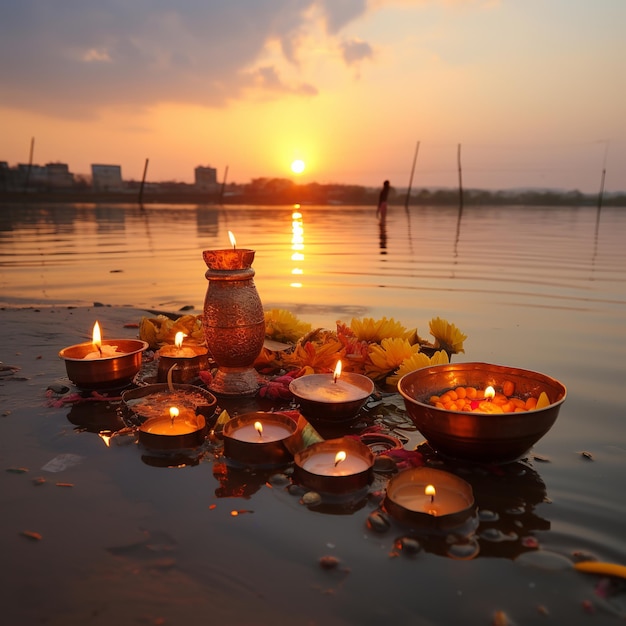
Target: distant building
[(205, 178), (106, 177), (58, 176)]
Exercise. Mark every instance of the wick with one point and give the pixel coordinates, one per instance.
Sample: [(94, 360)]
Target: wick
[(260, 434), (170, 385), (172, 419), (335, 377), (432, 498), (99, 349)]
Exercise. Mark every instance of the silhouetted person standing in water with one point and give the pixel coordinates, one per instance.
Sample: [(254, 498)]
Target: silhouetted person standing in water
[(381, 210)]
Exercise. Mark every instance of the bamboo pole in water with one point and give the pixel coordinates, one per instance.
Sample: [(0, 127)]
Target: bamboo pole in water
[(601, 194), (223, 185), (458, 159), (143, 181), (30, 164), (408, 191)]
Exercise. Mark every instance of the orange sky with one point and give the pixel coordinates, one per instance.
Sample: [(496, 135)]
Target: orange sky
[(533, 90)]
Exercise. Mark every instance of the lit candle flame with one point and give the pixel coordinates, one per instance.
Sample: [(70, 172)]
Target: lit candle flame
[(174, 412), (337, 373), (490, 393), (106, 437), (339, 457), (96, 338), (259, 428), (233, 241), (178, 339), (430, 491)]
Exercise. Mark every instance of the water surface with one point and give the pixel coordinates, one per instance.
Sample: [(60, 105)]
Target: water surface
[(532, 287)]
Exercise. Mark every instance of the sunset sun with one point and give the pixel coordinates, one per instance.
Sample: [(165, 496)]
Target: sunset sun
[(297, 167)]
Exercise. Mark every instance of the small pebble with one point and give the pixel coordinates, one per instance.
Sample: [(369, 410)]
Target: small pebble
[(295, 490), (311, 498), (377, 522), (59, 389), (408, 545), (278, 480), (329, 562)]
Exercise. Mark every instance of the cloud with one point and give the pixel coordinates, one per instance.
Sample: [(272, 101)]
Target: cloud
[(355, 51), (268, 79), (72, 58)]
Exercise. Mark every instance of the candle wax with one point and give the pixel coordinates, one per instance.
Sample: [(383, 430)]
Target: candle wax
[(271, 432), (107, 351), (323, 464), (323, 389), (166, 427), (184, 352), (445, 502)]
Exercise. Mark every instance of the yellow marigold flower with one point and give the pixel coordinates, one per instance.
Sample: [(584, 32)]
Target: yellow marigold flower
[(321, 357), (161, 330), (447, 336), (374, 331), (388, 356), (416, 362), (282, 325)]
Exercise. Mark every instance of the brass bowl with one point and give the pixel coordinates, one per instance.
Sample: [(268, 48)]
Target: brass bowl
[(473, 436), (107, 372)]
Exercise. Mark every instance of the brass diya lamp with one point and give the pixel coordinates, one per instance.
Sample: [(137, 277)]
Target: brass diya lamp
[(336, 397), (179, 428), (183, 363), (102, 364), (259, 438), (335, 466), (430, 499), (233, 321)]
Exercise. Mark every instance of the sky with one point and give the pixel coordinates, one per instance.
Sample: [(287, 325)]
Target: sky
[(520, 93)]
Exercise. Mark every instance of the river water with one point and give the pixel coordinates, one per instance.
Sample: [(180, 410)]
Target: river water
[(542, 288)]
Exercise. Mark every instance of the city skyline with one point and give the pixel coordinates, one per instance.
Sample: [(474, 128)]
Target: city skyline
[(532, 92)]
